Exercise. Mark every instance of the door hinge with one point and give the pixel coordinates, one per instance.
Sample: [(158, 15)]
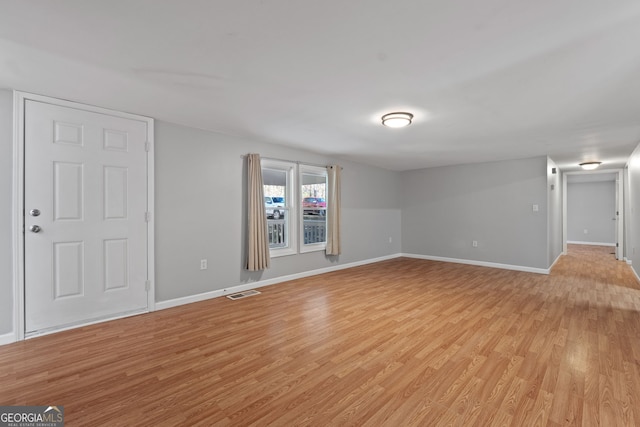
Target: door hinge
[(147, 216), (147, 146), (616, 245), (147, 285)]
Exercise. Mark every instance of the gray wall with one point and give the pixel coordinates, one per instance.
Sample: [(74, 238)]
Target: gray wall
[(6, 212), (591, 206), (554, 227), (200, 180), (199, 212), (446, 208)]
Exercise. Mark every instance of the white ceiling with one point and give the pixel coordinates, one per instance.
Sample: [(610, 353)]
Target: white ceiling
[(486, 80)]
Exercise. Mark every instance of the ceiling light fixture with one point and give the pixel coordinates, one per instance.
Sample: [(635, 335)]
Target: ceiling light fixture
[(397, 120), (589, 166)]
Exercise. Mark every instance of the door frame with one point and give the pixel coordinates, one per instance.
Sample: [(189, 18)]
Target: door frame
[(19, 100), (620, 255)]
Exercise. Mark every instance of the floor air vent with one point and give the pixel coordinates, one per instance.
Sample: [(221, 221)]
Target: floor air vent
[(244, 294)]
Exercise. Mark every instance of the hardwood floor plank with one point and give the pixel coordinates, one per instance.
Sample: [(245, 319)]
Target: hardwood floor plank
[(401, 342)]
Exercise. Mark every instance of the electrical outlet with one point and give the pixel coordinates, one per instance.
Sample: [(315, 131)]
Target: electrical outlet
[(390, 239), (203, 264), (474, 243), (536, 208)]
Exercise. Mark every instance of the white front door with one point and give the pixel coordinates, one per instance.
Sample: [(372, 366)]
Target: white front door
[(85, 202)]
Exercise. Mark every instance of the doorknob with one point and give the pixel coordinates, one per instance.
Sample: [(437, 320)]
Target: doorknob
[(35, 228), (34, 212)]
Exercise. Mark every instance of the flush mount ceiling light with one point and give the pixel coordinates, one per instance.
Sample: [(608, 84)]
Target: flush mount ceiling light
[(397, 120), (589, 166)]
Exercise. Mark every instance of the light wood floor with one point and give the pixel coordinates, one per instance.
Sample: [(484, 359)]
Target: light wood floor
[(399, 343)]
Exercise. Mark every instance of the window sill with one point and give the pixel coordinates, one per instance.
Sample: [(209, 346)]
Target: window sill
[(276, 253), (313, 247)]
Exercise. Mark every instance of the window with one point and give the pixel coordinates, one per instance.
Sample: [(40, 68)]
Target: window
[(295, 202), (313, 208), (278, 178)]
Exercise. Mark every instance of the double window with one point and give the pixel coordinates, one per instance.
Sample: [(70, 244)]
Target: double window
[(296, 207)]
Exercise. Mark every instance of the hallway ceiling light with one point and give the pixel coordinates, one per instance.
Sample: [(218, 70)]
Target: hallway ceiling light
[(397, 120), (589, 166)]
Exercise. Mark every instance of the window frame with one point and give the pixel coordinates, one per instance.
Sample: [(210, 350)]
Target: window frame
[(290, 208), (304, 169)]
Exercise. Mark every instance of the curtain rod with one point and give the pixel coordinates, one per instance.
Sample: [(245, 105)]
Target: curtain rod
[(242, 156)]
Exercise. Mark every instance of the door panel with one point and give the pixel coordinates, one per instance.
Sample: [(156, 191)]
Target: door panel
[(68, 269), (87, 175), (67, 191)]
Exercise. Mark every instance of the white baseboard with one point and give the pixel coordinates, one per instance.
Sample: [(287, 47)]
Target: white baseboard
[(635, 272), (481, 263), (554, 262), (574, 242), (7, 338), (161, 305), (81, 324), (628, 261)]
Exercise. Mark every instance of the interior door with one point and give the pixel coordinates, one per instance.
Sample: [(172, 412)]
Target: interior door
[(618, 224), (85, 195)]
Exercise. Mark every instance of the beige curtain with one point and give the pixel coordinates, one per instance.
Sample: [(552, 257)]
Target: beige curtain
[(258, 245), (333, 211)]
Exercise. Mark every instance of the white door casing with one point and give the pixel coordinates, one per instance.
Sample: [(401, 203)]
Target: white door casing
[(88, 173), (618, 213), (619, 216)]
